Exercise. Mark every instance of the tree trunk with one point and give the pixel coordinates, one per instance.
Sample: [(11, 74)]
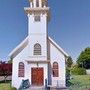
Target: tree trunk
[(5, 78)]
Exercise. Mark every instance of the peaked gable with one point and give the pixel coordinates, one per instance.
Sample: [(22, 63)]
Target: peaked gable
[(57, 46), (19, 48), (24, 43)]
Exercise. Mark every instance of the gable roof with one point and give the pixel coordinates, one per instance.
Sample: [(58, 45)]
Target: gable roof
[(24, 43), (19, 48), (58, 47)]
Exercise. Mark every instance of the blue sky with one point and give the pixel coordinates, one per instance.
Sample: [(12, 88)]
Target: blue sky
[(69, 25)]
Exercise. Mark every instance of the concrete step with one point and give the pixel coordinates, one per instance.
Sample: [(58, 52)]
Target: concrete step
[(43, 88), (58, 88), (36, 88)]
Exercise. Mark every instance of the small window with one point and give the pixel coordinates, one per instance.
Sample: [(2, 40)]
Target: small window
[(37, 49), (21, 69), (55, 69), (37, 18), (37, 3), (32, 4), (44, 3)]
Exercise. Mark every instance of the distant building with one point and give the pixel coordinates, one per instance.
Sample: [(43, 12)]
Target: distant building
[(38, 57)]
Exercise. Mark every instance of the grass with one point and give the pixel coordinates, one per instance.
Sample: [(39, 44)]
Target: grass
[(81, 82), (6, 86), (81, 79)]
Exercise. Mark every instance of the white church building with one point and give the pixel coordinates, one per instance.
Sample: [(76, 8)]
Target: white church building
[(38, 57)]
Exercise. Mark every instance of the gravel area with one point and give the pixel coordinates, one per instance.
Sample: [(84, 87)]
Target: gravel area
[(8, 78)]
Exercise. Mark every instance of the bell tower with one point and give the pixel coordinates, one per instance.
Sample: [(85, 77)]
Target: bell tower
[(38, 3), (38, 17)]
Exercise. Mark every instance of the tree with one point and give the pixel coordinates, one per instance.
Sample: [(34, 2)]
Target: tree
[(84, 58), (69, 62), (5, 70), (76, 70), (10, 61)]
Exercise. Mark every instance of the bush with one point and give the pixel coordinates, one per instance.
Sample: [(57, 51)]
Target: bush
[(67, 74), (67, 71), (78, 70)]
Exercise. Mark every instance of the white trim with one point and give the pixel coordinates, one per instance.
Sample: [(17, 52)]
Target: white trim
[(59, 48), (19, 46), (25, 42)]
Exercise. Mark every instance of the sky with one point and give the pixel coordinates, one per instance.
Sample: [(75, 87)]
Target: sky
[(69, 25)]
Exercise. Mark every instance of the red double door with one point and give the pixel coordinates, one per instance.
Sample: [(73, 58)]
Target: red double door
[(37, 76)]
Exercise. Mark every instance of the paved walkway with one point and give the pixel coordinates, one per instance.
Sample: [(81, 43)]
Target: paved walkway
[(36, 88), (43, 88)]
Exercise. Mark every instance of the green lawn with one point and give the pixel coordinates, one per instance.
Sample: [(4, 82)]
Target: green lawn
[(4, 86), (81, 79), (81, 82)]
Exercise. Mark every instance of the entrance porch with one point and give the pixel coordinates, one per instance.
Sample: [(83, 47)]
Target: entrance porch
[(37, 72)]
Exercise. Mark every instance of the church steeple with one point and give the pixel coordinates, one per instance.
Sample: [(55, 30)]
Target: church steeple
[(38, 16), (38, 3), (38, 6)]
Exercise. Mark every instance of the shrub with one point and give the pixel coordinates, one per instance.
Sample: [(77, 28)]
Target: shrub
[(5, 70), (75, 70), (67, 71)]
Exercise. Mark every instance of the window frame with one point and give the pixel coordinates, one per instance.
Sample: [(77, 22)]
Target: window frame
[(37, 18), (37, 3), (21, 69), (55, 69), (37, 49)]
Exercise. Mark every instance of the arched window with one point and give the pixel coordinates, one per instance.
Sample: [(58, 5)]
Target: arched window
[(42, 3), (37, 3), (55, 69), (37, 49), (21, 69), (37, 18)]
